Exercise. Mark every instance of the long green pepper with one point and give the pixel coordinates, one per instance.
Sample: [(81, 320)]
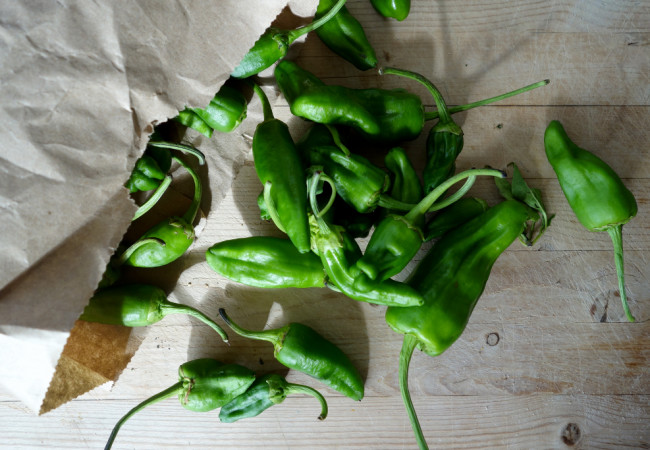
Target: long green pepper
[(596, 194)]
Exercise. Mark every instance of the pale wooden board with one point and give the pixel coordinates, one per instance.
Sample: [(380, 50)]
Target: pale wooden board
[(565, 354)]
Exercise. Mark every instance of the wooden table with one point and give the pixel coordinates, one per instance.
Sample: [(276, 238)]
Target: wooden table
[(547, 360)]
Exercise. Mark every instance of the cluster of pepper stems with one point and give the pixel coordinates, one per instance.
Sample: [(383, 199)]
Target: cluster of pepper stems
[(323, 196)]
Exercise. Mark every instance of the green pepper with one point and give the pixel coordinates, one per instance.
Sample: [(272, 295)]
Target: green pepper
[(273, 45), (395, 9), (397, 238), (266, 262), (596, 194), (204, 385), (226, 110), (344, 35), (451, 278), (301, 348), (355, 224), (453, 216), (339, 252), (265, 392), (176, 234), (192, 120), (146, 175), (405, 184), (138, 305), (279, 168)]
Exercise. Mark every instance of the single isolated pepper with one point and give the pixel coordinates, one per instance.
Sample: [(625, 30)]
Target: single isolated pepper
[(266, 262), (451, 278), (453, 216), (169, 239), (279, 168), (300, 347), (392, 9), (204, 385), (596, 194), (265, 392), (333, 245), (397, 238), (273, 45), (344, 35), (138, 305)]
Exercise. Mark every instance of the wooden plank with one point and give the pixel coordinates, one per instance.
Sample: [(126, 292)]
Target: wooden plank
[(524, 421)]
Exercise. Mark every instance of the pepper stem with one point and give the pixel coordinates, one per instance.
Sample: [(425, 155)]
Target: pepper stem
[(167, 393), (291, 388), (337, 139), (177, 308), (427, 202), (292, 35), (454, 109), (408, 346), (158, 193), (272, 336), (136, 245), (180, 147), (443, 111), (616, 233), (270, 206), (190, 215), (266, 105)]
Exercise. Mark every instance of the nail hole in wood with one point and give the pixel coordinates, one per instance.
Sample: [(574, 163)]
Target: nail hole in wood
[(571, 434), (492, 339)]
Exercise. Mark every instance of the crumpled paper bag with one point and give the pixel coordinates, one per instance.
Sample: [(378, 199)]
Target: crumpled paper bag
[(82, 84)]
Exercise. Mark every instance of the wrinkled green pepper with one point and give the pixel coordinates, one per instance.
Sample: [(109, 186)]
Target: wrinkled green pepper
[(300, 347), (273, 45), (204, 385), (398, 238), (392, 9), (405, 185), (169, 239), (226, 110), (138, 305), (279, 168), (266, 262), (192, 120), (453, 216), (265, 392), (596, 194), (344, 35), (451, 278)]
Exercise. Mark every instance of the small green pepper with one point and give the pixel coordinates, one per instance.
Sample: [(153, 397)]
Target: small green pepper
[(397, 238), (266, 262), (265, 392), (453, 216), (300, 347), (138, 305), (451, 278), (596, 194), (192, 120), (279, 168), (405, 185), (344, 35), (146, 175), (204, 385), (175, 233), (392, 9), (226, 110), (333, 245), (273, 45)]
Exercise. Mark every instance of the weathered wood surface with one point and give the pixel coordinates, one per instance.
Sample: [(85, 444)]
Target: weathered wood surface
[(547, 361)]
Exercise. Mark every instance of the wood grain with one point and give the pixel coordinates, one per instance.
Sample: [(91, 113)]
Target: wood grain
[(547, 360)]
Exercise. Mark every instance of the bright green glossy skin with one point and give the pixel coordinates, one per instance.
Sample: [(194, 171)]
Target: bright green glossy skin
[(344, 35), (357, 180), (293, 80), (146, 175), (134, 305), (266, 262), (594, 191), (277, 161), (395, 9), (269, 48), (453, 274), (265, 392), (444, 144), (209, 384), (405, 184), (225, 111), (453, 216), (191, 119), (300, 347), (175, 232)]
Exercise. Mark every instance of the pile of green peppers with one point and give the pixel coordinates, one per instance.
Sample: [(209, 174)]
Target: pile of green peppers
[(324, 195)]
